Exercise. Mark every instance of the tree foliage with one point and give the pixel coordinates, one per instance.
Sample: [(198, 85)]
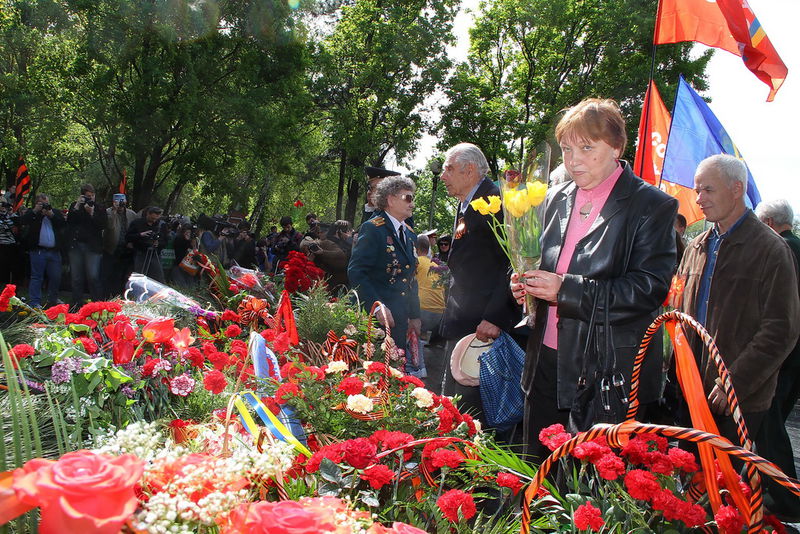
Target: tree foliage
[(211, 105), (375, 70), (530, 59)]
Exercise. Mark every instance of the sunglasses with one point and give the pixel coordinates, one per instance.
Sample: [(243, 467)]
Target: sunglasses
[(407, 198)]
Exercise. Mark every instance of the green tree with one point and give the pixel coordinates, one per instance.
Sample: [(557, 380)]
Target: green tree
[(375, 70), (180, 92), (530, 59)]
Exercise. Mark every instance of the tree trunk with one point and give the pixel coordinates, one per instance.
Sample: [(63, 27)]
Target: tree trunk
[(340, 188), (353, 196)]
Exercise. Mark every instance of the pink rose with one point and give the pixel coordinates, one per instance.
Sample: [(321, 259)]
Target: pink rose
[(308, 516), (81, 491)]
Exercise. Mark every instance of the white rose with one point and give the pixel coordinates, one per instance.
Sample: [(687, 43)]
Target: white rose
[(423, 396), (336, 367), (359, 403)]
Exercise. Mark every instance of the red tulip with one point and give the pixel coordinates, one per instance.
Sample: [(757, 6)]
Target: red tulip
[(159, 330)]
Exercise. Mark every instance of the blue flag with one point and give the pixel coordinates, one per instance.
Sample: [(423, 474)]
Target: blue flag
[(696, 134)]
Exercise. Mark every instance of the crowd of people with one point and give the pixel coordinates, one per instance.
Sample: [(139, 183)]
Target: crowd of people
[(611, 244)]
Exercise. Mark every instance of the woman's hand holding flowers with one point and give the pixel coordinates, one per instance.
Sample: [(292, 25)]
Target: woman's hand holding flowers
[(543, 285)]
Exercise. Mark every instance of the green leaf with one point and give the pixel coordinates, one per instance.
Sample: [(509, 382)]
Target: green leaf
[(370, 498), (330, 471)]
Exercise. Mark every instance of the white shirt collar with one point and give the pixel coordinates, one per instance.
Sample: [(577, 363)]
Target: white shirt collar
[(397, 224), (465, 204)]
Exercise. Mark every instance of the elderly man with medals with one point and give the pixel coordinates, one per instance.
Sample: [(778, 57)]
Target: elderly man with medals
[(383, 262)]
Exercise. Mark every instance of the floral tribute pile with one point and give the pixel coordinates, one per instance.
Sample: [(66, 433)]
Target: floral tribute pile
[(130, 417)]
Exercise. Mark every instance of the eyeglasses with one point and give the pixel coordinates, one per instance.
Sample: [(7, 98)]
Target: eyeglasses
[(407, 198)]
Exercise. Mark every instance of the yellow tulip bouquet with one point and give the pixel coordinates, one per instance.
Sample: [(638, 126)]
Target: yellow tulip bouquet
[(520, 232)]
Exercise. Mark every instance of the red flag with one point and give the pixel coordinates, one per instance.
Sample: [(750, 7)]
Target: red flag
[(727, 24), (650, 151), (123, 184), (22, 184)]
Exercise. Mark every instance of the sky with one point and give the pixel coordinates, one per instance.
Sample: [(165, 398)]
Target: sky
[(766, 133)]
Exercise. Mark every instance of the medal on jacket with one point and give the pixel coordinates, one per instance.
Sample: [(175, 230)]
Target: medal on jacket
[(461, 228)]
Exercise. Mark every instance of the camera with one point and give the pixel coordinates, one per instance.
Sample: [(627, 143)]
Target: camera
[(46, 207), (313, 247)]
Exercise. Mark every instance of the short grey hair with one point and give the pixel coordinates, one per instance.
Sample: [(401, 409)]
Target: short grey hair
[(423, 243), (731, 167), (391, 186), (778, 210), (465, 153)]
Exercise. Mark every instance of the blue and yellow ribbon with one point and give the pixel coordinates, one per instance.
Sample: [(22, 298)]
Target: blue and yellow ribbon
[(270, 420)]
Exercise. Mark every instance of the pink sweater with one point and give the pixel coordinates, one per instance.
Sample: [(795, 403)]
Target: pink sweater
[(577, 228)]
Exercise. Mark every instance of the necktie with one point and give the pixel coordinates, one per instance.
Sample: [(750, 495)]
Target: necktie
[(402, 234)]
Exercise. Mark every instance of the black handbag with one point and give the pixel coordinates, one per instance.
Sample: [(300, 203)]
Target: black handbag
[(600, 398)]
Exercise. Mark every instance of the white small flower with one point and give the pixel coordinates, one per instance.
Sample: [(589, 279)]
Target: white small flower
[(359, 403), (336, 367), (350, 330), (396, 373), (423, 396)]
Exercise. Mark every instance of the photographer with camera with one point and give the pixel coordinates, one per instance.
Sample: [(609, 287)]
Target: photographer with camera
[(148, 235), (44, 242), (86, 220), (332, 252), (11, 271), (117, 252)]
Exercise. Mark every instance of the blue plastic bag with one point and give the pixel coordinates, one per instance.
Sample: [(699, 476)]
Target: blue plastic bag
[(500, 375)]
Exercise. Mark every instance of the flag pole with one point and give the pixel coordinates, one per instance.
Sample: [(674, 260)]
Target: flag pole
[(646, 110)]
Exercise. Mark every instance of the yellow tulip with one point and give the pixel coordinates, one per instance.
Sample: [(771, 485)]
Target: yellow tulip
[(516, 202), (480, 205), (536, 193), (494, 204)]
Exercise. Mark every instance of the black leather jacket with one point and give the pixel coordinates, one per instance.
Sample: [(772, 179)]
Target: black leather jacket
[(631, 247)]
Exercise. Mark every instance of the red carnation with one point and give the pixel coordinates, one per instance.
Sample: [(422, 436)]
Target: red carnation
[(591, 451), (219, 360), (359, 452), (729, 520), (286, 390), (641, 484), (239, 347), (413, 380), (53, 312), (334, 453), (378, 476), (229, 315), (610, 466), (509, 480), (215, 382), (233, 331), (88, 344), (298, 203), (22, 351), (454, 501), (195, 357), (683, 460), (446, 458), (5, 297), (471, 428), (350, 386), (554, 436), (587, 516)]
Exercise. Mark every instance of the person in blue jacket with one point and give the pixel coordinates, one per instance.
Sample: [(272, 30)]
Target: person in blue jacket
[(383, 264)]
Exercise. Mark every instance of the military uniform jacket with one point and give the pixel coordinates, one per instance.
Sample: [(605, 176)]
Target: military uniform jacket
[(382, 269)]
